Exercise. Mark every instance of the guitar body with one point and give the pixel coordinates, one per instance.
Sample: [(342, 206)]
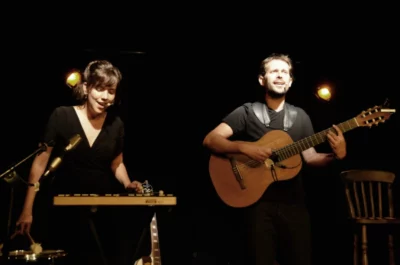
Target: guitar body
[(253, 179), (144, 261)]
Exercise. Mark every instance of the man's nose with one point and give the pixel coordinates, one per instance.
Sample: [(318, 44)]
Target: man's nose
[(280, 74)]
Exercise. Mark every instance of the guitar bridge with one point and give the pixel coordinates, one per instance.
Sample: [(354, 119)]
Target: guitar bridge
[(236, 172)]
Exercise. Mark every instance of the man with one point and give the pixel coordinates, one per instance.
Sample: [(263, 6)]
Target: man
[(278, 223)]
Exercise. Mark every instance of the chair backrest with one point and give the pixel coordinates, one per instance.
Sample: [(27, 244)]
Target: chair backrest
[(369, 193)]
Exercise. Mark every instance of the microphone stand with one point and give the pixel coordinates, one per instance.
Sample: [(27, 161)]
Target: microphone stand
[(11, 177), (9, 172)]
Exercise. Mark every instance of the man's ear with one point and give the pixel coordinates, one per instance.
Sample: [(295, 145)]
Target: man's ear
[(261, 80), (290, 82)]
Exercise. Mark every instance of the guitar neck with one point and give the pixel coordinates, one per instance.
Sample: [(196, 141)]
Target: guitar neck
[(313, 140), (155, 246)]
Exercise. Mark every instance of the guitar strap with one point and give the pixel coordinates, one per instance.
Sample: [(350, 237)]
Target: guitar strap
[(260, 109)]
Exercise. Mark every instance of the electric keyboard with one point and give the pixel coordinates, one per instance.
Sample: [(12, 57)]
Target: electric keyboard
[(113, 199)]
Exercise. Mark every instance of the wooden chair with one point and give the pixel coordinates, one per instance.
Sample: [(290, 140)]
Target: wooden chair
[(370, 202)]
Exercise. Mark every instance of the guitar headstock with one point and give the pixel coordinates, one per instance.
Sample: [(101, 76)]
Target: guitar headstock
[(374, 116)]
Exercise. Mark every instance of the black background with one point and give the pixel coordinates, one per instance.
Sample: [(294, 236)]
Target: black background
[(174, 93)]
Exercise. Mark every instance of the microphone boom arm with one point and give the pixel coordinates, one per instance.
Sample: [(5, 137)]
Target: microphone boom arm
[(9, 172)]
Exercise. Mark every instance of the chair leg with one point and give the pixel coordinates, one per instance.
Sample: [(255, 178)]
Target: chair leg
[(355, 249), (391, 252), (364, 245)]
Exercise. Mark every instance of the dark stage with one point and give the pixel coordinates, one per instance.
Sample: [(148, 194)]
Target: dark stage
[(170, 99)]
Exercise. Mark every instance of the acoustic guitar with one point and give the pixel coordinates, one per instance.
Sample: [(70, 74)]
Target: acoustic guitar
[(241, 181)]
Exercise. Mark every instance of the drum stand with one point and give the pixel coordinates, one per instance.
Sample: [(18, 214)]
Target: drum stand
[(11, 177)]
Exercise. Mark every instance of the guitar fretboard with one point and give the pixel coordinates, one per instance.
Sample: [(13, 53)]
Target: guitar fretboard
[(313, 140), (156, 256)]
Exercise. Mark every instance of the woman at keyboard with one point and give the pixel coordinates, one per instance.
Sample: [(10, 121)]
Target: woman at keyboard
[(84, 155)]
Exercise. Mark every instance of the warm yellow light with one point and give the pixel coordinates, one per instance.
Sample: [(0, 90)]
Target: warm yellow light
[(73, 79), (324, 93)]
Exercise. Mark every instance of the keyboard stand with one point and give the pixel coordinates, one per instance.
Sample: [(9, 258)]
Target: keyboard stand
[(144, 234), (97, 239)]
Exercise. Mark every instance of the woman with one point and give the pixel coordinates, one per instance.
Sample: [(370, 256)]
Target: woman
[(94, 166)]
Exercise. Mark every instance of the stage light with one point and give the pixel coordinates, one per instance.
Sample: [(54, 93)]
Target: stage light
[(324, 93), (73, 78)]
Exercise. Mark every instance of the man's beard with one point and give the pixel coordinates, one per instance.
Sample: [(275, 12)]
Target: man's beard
[(276, 95)]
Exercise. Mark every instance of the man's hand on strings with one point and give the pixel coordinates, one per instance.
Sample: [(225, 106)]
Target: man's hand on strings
[(337, 142)]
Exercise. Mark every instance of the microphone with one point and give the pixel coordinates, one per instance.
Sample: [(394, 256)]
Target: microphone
[(73, 142), (53, 166)]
